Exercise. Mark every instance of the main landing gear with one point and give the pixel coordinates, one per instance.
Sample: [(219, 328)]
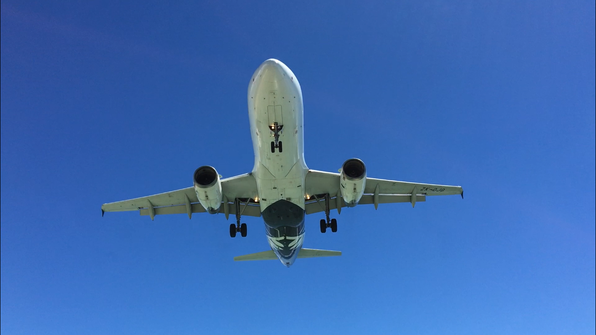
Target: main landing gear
[(276, 144), (331, 223), (235, 228)]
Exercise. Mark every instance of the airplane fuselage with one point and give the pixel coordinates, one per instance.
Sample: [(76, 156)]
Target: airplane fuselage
[(276, 124)]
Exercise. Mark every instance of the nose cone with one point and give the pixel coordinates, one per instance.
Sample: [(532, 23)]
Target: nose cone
[(276, 73), (272, 71)]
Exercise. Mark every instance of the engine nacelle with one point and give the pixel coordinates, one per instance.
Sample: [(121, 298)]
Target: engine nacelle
[(208, 188), (352, 180)]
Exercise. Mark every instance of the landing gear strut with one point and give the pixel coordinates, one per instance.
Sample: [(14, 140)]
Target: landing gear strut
[(327, 222), (238, 227), (276, 144)]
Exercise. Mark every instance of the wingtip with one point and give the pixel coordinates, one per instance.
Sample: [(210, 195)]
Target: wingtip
[(462, 194), (102, 212)]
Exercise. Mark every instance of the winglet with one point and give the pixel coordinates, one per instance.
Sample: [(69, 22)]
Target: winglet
[(102, 212), (462, 194)]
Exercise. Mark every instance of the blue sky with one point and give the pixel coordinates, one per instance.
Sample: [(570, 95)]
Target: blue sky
[(109, 100)]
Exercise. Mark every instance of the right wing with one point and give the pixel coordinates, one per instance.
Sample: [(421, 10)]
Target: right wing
[(242, 187), (376, 191)]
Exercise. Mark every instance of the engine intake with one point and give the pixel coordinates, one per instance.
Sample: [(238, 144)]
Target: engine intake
[(208, 188), (352, 180)]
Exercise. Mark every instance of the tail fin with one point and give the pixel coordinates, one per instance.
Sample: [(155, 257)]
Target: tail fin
[(304, 253)]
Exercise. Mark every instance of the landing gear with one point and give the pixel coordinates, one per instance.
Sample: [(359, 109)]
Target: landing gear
[(238, 227), (276, 144), (327, 222)]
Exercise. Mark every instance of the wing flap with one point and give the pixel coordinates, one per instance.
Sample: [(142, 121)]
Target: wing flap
[(403, 187), (175, 202), (171, 198), (318, 205), (250, 210), (321, 182)]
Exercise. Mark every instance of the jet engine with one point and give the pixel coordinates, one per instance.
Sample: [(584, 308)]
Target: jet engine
[(352, 180), (208, 188)]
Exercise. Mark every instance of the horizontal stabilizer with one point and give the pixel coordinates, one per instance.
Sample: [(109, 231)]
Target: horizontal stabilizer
[(258, 256), (304, 253), (308, 253)]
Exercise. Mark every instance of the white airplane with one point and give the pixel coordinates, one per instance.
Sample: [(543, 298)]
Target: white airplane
[(280, 188)]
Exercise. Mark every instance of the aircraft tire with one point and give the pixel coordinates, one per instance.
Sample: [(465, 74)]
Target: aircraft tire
[(280, 147), (323, 226), (334, 225), (272, 147), (243, 230), (232, 230)]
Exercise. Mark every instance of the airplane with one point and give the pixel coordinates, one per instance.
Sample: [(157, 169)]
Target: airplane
[(280, 188)]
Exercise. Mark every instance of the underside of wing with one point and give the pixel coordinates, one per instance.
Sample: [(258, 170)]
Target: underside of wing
[(323, 189), (238, 193), (172, 198), (403, 187)]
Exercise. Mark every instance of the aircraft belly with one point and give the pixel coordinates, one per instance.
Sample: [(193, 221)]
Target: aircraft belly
[(276, 120), (275, 100), (278, 162)]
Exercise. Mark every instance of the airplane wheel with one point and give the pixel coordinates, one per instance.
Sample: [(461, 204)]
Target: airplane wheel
[(280, 147), (232, 230), (272, 147), (323, 226), (334, 225), (243, 230)]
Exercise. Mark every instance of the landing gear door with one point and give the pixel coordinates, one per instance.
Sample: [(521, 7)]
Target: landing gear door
[(274, 114)]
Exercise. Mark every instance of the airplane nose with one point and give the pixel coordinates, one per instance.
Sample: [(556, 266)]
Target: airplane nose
[(271, 70)]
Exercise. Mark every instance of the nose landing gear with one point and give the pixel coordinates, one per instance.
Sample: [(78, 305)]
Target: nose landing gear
[(276, 144)]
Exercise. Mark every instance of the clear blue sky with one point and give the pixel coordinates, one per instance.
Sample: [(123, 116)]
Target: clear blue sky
[(109, 100)]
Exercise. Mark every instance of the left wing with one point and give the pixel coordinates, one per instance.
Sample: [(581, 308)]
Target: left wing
[(320, 184), (242, 188)]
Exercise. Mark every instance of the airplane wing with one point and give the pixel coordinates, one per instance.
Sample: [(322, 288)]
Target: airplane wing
[(320, 184), (242, 187)]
